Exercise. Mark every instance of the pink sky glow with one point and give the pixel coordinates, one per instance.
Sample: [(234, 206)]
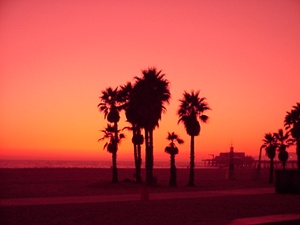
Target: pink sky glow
[(57, 56)]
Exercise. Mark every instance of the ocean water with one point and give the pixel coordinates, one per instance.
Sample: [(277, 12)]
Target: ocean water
[(82, 164)]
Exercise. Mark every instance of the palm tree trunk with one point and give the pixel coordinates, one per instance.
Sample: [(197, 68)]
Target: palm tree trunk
[(298, 153), (139, 164), (114, 168), (151, 153), (271, 175), (135, 161), (139, 160), (135, 154), (173, 179), (114, 156), (148, 159), (192, 163)]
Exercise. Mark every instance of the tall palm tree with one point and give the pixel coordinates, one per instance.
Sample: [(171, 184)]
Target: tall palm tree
[(149, 94), (137, 137), (191, 108), (284, 141), (112, 146), (270, 145), (111, 104), (292, 124), (173, 150)]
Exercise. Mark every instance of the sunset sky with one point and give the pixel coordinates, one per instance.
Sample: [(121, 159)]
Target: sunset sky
[(57, 56)]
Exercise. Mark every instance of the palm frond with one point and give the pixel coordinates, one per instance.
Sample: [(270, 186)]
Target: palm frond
[(180, 141), (127, 128), (105, 146), (204, 118)]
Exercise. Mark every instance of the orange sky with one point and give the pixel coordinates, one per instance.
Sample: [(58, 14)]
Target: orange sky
[(57, 56)]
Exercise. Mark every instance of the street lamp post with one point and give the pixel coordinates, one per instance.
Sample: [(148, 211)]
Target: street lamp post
[(231, 164), (259, 164)]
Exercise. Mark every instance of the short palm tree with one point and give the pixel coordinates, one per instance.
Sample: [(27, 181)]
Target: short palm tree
[(292, 124), (112, 146), (270, 145), (137, 137), (111, 104), (149, 94), (190, 110), (284, 141), (173, 150)]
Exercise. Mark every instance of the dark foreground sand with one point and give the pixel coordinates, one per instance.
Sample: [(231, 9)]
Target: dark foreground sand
[(33, 183)]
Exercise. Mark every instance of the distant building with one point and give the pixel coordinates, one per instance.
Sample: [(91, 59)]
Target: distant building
[(239, 159)]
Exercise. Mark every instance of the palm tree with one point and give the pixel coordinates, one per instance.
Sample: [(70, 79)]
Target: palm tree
[(137, 137), (270, 145), (112, 146), (283, 142), (149, 94), (292, 124), (191, 108), (173, 150), (111, 104)]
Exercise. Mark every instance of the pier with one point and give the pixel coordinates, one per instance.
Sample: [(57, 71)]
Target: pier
[(248, 163)]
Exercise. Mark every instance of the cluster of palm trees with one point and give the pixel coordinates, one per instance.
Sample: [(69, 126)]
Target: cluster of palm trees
[(280, 141), (144, 102)]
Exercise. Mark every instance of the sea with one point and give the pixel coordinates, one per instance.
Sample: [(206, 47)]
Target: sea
[(19, 164)]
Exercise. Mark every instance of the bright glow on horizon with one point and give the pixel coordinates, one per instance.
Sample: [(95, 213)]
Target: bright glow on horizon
[(57, 57)]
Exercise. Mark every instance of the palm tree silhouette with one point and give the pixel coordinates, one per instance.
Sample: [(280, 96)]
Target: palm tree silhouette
[(173, 150), (149, 94), (137, 137), (270, 145), (191, 108), (283, 142), (111, 104), (112, 146), (292, 124)]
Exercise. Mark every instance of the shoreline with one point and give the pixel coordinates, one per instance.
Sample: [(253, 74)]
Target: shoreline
[(22, 164)]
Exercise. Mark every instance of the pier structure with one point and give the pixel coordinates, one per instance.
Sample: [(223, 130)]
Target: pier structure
[(247, 162)]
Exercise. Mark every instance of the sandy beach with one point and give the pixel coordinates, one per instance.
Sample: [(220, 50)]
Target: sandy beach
[(53, 183), (19, 183)]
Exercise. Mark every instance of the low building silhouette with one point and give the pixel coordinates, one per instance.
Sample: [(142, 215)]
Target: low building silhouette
[(240, 159)]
